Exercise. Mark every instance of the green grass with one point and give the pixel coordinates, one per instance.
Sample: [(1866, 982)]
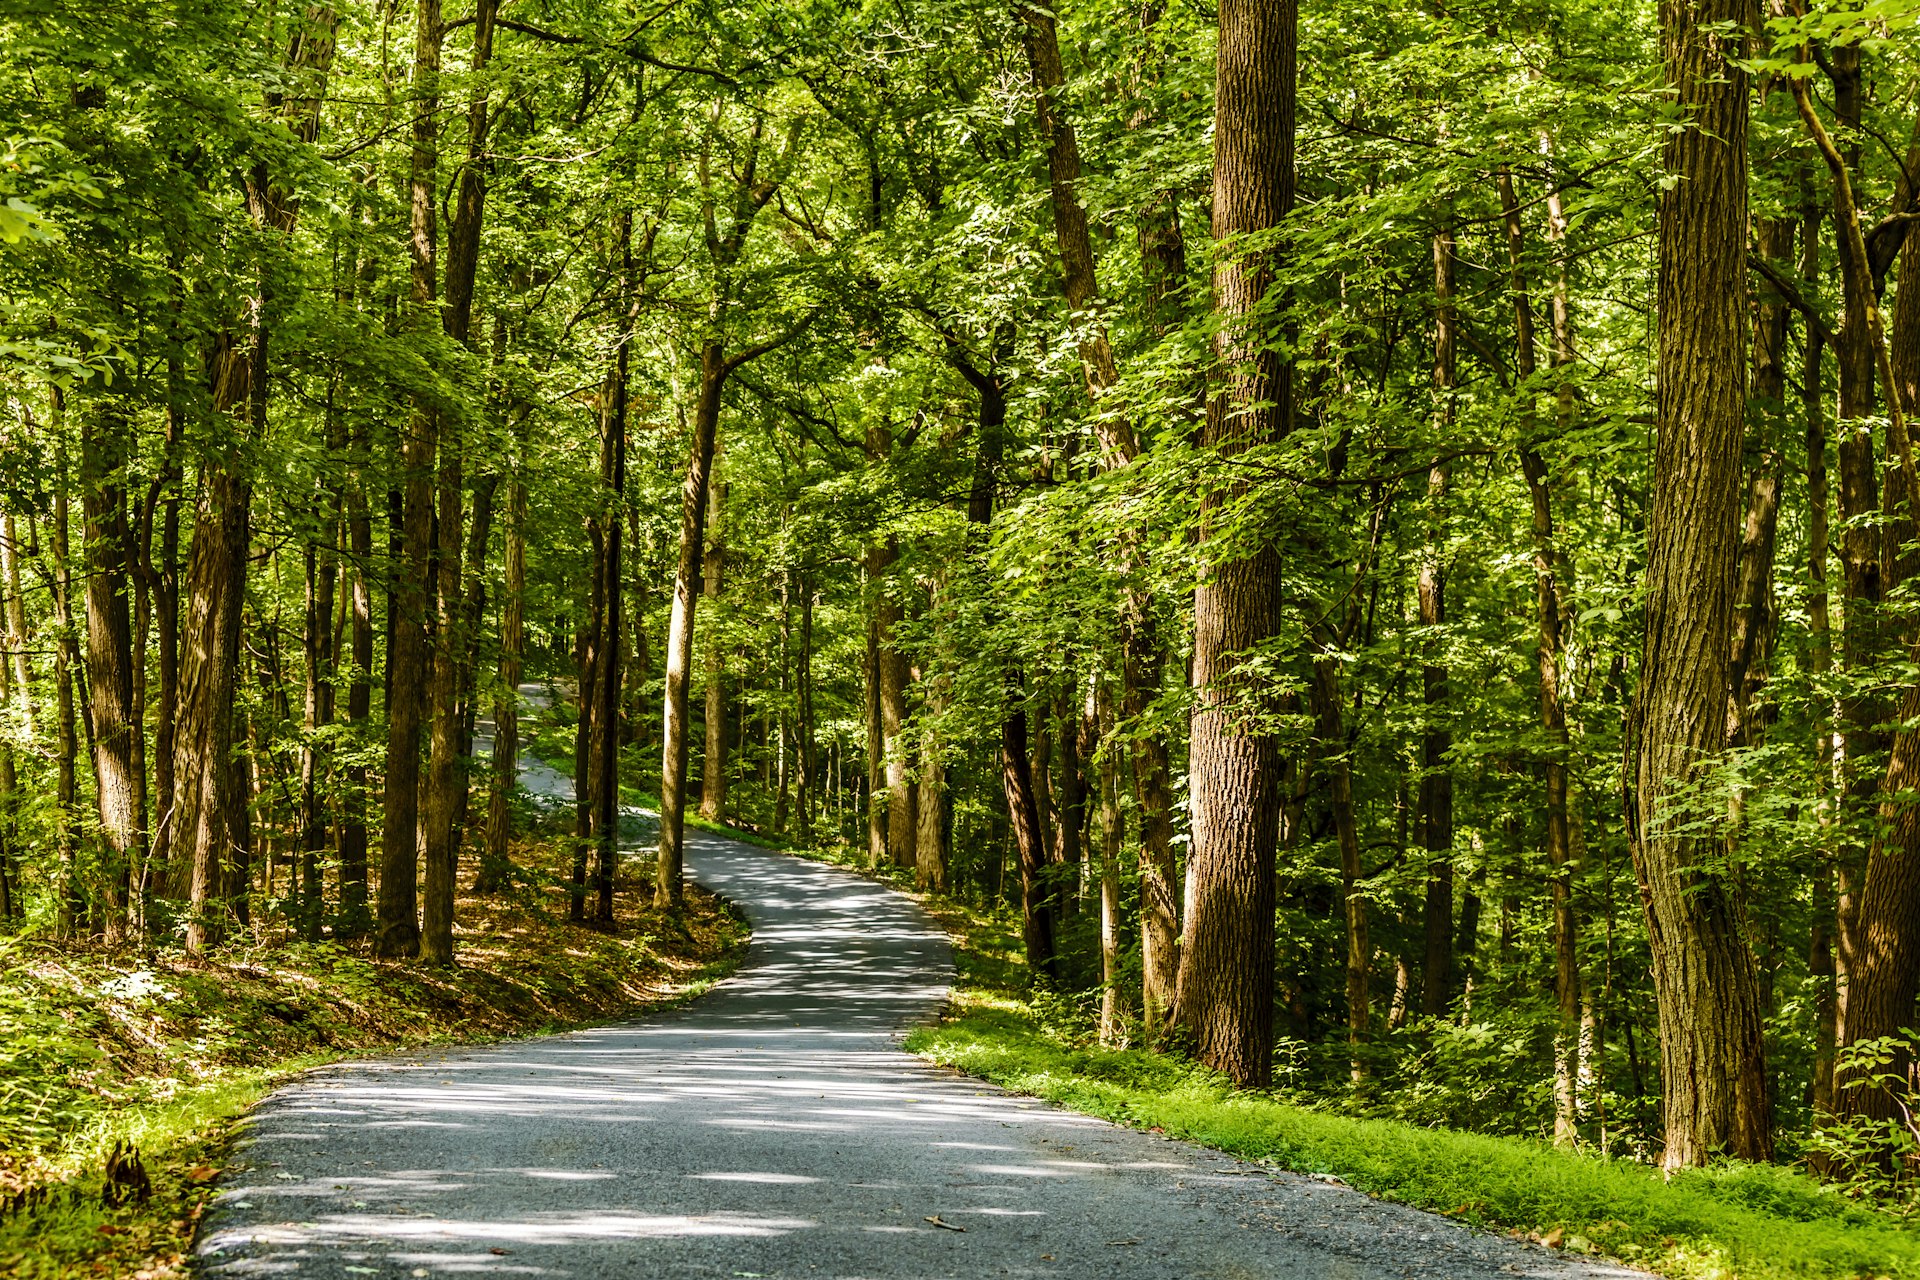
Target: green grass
[(1745, 1221), (1729, 1222)]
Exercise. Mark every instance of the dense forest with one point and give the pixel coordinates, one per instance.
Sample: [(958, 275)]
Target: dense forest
[(1382, 534)]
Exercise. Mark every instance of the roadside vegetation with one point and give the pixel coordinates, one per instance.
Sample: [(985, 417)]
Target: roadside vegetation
[(1727, 1221), (123, 1075)]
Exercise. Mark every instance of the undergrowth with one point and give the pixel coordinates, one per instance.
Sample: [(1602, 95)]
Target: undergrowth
[(150, 1054)]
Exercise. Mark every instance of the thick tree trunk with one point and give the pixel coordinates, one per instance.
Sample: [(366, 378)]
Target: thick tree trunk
[(1713, 1074), (1225, 994)]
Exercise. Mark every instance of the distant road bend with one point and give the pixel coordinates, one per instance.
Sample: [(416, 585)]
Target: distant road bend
[(774, 1128)]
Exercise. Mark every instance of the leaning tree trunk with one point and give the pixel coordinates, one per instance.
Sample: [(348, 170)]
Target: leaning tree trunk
[(1225, 995), (1714, 1093)]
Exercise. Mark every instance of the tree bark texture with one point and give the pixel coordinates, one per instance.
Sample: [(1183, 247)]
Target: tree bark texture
[(1714, 1096), (1224, 1000)]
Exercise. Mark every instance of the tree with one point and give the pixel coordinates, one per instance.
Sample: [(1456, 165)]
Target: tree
[(1224, 999), (1712, 1064)]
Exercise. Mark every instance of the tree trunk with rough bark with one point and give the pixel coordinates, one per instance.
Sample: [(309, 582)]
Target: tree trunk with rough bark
[(1224, 1000), (1714, 1095)]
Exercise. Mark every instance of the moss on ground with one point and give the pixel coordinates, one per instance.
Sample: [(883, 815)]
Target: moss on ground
[(103, 1049)]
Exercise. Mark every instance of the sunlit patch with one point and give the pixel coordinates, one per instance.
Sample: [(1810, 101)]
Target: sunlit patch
[(782, 1178)]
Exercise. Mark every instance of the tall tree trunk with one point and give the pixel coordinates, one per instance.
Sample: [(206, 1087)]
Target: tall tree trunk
[(1820, 962), (117, 732), (70, 909), (410, 668), (783, 736), (1225, 995), (353, 921), (1553, 715), (876, 776), (1113, 1010), (668, 889), (1436, 779), (713, 765), (208, 814), (496, 865), (1881, 937), (806, 794), (317, 715), (1714, 1079), (1163, 253), (19, 698), (1860, 710), (1337, 775), (447, 763), (1037, 915), (611, 644)]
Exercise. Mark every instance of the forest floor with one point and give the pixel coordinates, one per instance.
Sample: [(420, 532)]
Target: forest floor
[(100, 1048), (1731, 1222)]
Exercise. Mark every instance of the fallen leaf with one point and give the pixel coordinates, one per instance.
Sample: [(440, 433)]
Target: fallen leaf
[(1119, 1243), (1554, 1238), (937, 1221), (498, 1252), (108, 1229), (202, 1173)]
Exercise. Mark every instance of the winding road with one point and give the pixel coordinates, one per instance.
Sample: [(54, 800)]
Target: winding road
[(774, 1128)]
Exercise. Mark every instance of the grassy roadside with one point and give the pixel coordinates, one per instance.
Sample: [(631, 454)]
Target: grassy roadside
[(102, 1050), (1731, 1222)]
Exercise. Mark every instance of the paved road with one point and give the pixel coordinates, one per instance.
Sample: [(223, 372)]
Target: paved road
[(773, 1128)]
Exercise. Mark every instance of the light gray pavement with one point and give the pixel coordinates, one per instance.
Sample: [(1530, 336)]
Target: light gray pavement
[(774, 1128)]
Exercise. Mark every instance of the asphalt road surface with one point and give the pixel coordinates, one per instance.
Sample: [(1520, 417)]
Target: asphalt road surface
[(773, 1128)]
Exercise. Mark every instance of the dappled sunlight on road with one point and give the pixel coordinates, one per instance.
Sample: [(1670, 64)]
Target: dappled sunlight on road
[(771, 1128)]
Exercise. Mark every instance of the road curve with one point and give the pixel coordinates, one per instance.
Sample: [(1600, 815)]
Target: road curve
[(774, 1128)]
